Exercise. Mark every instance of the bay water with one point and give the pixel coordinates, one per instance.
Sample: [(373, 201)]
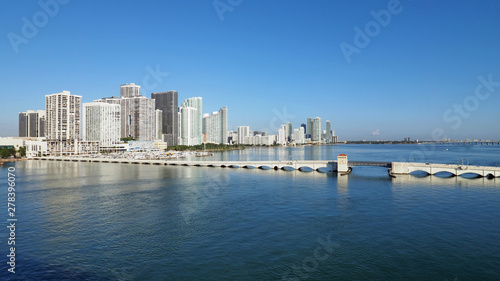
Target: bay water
[(104, 221)]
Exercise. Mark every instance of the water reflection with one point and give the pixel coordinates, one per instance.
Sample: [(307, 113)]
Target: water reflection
[(403, 180)]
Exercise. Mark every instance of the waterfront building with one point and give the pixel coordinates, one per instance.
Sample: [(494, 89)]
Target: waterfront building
[(316, 129), (215, 127), (138, 116), (36, 148), (101, 122), (328, 135), (309, 127), (289, 131), (63, 116), (282, 137), (168, 103), (243, 131), (158, 124), (130, 90), (189, 125), (179, 127), (299, 136), (13, 142), (260, 140), (32, 123), (196, 103), (305, 129), (232, 137)]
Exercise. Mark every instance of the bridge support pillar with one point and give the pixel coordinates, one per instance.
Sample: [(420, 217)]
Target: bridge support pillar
[(342, 164)]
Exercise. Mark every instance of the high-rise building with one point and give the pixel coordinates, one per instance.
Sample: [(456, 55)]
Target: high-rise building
[(196, 103), (189, 125), (309, 128), (328, 131), (289, 131), (305, 129), (130, 90), (63, 114), (101, 122), (298, 135), (282, 137), (159, 122), (215, 127), (23, 124), (243, 131), (32, 123), (138, 116), (168, 103), (316, 129)]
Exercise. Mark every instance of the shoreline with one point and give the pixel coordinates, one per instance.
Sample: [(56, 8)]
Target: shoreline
[(13, 160)]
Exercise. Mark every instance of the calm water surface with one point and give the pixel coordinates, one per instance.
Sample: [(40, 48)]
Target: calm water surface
[(93, 221)]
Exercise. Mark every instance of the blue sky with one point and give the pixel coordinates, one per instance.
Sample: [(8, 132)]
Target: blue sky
[(268, 61)]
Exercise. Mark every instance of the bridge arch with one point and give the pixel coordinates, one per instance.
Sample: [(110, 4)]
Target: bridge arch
[(306, 169)]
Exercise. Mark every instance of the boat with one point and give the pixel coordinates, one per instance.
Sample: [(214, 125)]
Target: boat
[(203, 154), (348, 172)]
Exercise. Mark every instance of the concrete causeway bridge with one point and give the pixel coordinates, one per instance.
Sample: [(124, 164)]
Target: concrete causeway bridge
[(341, 165)]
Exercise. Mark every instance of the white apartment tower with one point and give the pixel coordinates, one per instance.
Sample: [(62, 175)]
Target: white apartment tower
[(316, 129), (282, 135), (62, 116), (196, 103), (243, 131), (189, 125), (101, 122), (138, 115), (159, 123), (299, 135), (215, 126), (130, 90)]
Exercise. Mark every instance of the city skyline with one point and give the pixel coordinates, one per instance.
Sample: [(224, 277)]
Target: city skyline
[(378, 70)]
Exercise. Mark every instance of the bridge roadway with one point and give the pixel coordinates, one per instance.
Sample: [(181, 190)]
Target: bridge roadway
[(301, 165), (454, 169)]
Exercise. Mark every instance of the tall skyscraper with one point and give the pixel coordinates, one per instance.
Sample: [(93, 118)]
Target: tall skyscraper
[(168, 103), (309, 127), (289, 131), (23, 124), (328, 131), (130, 90), (282, 137), (32, 123), (243, 131), (196, 103), (138, 117), (316, 129), (101, 122), (189, 125), (215, 127), (159, 124), (63, 116)]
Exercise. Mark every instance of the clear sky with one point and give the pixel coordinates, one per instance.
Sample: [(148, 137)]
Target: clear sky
[(269, 62)]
